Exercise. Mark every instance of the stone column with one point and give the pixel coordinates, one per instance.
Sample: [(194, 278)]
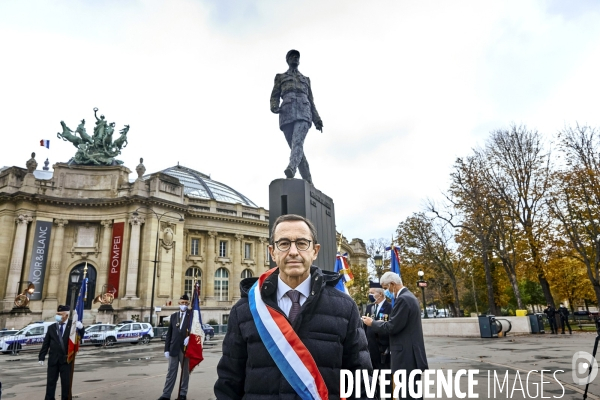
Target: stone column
[(16, 260), (236, 267), (211, 256), (104, 255), (56, 261), (134, 257), (260, 255)]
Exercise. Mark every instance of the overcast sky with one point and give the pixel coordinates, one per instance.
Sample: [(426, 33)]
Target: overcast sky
[(403, 87)]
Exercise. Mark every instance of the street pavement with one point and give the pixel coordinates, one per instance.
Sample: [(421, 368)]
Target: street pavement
[(138, 372)]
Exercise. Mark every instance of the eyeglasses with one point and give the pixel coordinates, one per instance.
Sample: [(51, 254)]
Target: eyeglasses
[(285, 244)]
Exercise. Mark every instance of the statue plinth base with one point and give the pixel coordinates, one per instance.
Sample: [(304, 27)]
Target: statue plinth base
[(296, 196), (106, 308)]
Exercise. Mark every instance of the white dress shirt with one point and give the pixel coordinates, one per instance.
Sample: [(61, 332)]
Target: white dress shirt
[(378, 306), (284, 302)]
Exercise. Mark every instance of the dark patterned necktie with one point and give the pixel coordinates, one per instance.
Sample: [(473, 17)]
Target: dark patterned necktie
[(62, 327), (294, 295), (375, 312)]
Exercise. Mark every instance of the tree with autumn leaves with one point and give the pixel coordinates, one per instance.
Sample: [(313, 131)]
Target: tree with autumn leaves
[(519, 225)]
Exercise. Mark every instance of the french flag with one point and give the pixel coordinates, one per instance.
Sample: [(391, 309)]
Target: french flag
[(45, 143), (194, 347), (74, 337)]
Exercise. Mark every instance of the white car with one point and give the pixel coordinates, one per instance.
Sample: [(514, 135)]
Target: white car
[(96, 328), (134, 333), (32, 334)]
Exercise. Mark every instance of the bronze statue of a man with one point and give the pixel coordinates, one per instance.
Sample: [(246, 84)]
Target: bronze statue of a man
[(297, 112)]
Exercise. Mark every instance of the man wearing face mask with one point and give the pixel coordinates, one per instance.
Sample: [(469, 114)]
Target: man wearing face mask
[(379, 343), (407, 348), (57, 341), (175, 343)]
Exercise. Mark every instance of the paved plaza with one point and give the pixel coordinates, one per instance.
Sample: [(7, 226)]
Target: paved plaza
[(138, 372)]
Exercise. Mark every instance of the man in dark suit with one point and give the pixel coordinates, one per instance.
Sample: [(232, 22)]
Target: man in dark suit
[(297, 113), (57, 341), (407, 348), (379, 343), (550, 312), (176, 340)]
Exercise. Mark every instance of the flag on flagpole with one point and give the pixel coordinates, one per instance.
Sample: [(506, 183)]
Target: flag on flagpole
[(45, 143), (77, 316), (194, 347), (342, 268), (394, 259)]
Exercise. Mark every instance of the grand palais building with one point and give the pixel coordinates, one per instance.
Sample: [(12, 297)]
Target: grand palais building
[(123, 226)]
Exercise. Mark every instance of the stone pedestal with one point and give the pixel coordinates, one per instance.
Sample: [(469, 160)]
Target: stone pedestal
[(21, 317), (296, 196), (105, 317)]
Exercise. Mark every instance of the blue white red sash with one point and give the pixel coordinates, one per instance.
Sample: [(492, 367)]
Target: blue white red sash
[(285, 347)]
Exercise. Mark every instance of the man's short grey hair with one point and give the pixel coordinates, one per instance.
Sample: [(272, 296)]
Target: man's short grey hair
[(378, 290), (390, 277)]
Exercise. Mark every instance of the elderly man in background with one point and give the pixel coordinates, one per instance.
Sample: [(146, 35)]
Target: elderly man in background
[(407, 348), (379, 343), (57, 341)]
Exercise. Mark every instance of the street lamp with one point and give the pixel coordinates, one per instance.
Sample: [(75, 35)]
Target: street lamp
[(158, 218), (75, 276), (423, 284), (378, 258)]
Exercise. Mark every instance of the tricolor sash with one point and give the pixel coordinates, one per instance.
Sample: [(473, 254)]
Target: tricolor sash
[(285, 347)]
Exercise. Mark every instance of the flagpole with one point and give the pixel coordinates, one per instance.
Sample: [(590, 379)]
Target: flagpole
[(188, 334), (75, 353)]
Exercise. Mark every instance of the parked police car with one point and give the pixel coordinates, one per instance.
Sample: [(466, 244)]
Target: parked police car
[(96, 328), (134, 333), (33, 334)]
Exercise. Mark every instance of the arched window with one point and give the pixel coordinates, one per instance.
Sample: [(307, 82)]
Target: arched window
[(247, 273), (91, 286), (188, 285), (222, 284)]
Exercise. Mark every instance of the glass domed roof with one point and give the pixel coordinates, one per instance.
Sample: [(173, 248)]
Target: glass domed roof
[(199, 185)]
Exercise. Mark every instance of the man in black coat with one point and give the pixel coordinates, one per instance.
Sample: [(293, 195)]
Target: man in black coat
[(57, 341), (326, 321), (177, 338), (407, 348), (550, 312), (379, 343), (564, 318)]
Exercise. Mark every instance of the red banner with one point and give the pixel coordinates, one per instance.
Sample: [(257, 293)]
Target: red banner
[(114, 262)]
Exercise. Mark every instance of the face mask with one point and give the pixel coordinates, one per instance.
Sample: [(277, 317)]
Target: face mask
[(561, 306), (371, 298), (182, 307), (58, 318), (388, 294)]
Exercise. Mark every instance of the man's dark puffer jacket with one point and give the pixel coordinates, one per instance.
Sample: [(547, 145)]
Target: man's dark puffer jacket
[(329, 325)]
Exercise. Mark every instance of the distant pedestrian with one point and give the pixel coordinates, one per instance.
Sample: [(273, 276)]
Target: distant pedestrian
[(57, 341), (564, 318), (550, 312)]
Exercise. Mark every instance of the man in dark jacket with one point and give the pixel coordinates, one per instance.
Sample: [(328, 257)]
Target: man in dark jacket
[(304, 301), (379, 343), (57, 341), (407, 347), (564, 318), (550, 312), (175, 342)]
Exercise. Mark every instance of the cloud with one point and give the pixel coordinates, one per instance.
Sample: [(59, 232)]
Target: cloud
[(403, 87)]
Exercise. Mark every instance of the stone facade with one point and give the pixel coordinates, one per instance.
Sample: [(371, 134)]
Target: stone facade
[(99, 217)]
